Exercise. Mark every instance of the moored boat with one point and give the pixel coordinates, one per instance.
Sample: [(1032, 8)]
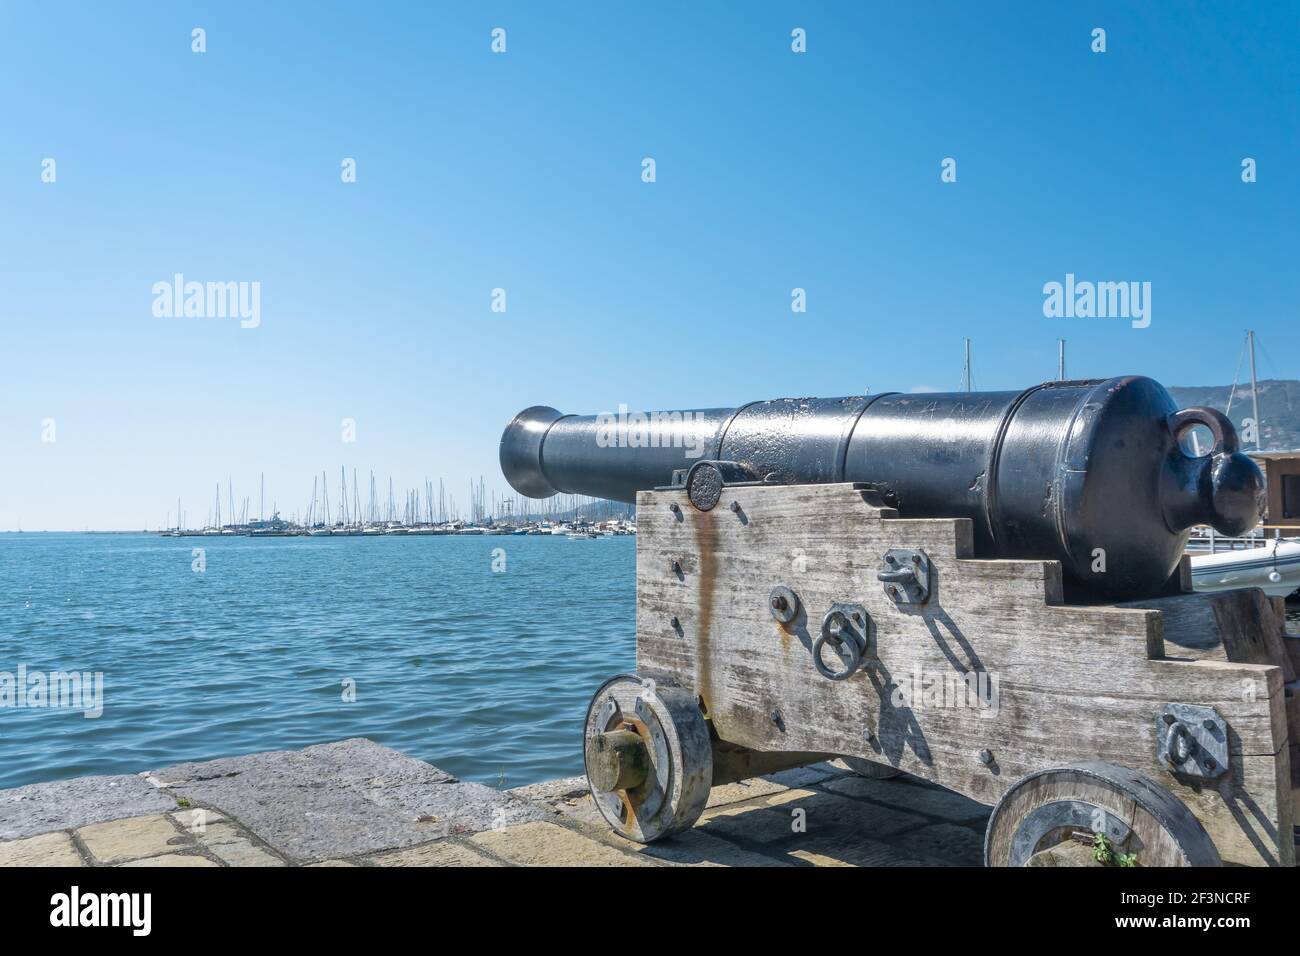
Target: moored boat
[(1273, 566)]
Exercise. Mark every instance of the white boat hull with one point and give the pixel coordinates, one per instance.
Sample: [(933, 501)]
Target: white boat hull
[(1274, 567)]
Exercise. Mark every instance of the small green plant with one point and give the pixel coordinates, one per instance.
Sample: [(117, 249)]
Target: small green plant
[(182, 802), (1103, 851)]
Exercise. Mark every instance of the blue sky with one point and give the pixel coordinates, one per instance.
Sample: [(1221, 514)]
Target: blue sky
[(522, 171)]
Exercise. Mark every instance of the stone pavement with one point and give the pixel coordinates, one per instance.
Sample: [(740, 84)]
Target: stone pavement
[(355, 803)]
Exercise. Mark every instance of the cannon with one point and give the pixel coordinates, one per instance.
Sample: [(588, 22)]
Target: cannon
[(984, 590), (1087, 473)]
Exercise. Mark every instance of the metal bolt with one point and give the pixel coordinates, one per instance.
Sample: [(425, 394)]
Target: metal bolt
[(1208, 724), (868, 735), (986, 756), (1210, 763), (916, 559), (893, 592), (676, 567), (776, 717), (890, 559), (676, 624), (1169, 718), (779, 603), (735, 506), (674, 507)]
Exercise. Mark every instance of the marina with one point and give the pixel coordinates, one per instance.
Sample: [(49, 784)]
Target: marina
[(575, 516), (275, 527)]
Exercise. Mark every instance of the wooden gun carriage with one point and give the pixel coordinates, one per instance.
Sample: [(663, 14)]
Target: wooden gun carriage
[(1087, 711)]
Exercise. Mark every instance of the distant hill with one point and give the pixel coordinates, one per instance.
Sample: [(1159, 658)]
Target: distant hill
[(1279, 408)]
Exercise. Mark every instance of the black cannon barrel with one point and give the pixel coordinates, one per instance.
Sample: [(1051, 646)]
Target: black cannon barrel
[(1090, 473)]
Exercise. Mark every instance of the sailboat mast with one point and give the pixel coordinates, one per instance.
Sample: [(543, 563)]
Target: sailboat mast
[(343, 494), (1254, 387), (966, 367), (1060, 369)]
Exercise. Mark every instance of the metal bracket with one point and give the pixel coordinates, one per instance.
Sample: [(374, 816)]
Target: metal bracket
[(905, 573), (847, 628), (1192, 740)]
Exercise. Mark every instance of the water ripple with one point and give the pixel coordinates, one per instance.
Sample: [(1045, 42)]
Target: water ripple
[(484, 674)]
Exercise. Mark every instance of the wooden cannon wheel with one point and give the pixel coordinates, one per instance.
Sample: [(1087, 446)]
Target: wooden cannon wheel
[(1137, 816), (648, 757)]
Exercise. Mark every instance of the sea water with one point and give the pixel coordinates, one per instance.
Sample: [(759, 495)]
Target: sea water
[(476, 653)]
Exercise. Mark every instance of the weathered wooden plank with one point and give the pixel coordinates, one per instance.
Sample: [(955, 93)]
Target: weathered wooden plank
[(1063, 683)]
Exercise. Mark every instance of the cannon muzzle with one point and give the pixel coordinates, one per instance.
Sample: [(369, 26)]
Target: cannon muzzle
[(1090, 473)]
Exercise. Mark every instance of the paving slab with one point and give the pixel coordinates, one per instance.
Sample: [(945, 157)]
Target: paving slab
[(220, 832), (131, 839), (956, 844), (549, 844), (173, 859), (342, 800), (244, 853), (551, 791), (455, 808), (744, 790), (911, 795), (695, 847), (68, 804), (358, 760), (307, 821), (441, 853), (48, 849), (849, 847), (582, 811), (197, 819), (747, 825)]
